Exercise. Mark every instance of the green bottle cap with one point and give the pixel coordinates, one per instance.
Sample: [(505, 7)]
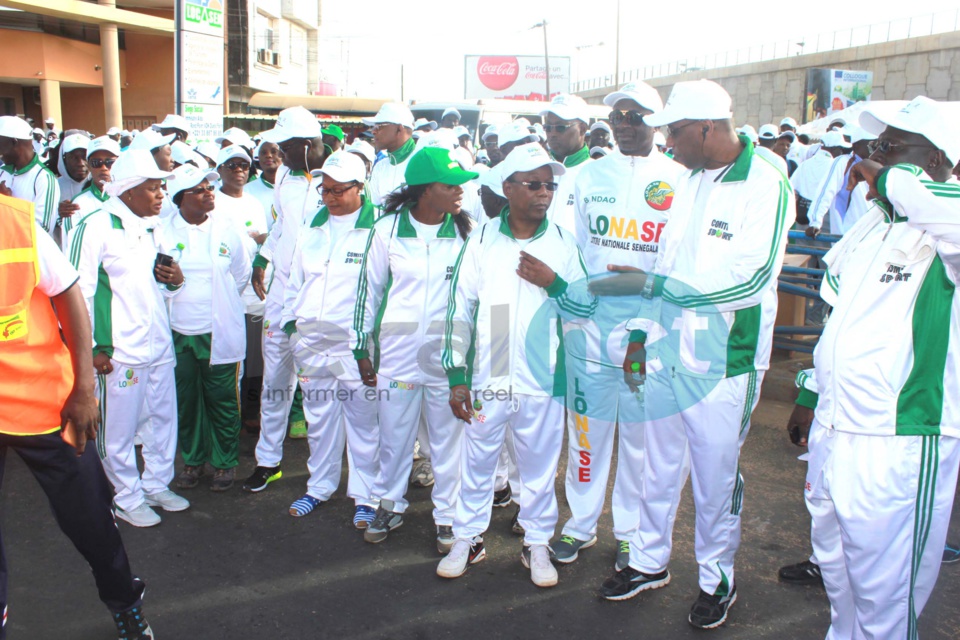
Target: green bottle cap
[(181, 246), (249, 223), (635, 367)]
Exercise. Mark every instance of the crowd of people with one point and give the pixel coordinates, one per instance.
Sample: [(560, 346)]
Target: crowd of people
[(452, 316)]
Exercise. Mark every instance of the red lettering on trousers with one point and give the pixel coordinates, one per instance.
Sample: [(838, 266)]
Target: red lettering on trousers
[(584, 474), (585, 458)]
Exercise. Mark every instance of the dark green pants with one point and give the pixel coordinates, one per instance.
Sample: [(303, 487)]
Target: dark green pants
[(208, 399)]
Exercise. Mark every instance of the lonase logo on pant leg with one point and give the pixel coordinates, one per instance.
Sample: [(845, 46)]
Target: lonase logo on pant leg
[(130, 379)]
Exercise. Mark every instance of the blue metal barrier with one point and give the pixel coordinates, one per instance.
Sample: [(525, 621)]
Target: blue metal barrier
[(803, 282)]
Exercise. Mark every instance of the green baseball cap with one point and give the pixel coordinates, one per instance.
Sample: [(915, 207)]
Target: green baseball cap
[(436, 164), (333, 130)]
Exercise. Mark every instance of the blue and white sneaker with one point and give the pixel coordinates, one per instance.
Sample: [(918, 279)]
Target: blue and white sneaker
[(363, 516)]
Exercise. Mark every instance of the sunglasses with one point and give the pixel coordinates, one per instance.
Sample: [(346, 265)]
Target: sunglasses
[(536, 185), (233, 166), (199, 191), (632, 117), (335, 191), (885, 146), (673, 131), (96, 163), (559, 128)]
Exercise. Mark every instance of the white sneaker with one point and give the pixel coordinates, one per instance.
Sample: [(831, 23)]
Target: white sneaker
[(142, 516), (537, 559), (167, 500), (462, 554)]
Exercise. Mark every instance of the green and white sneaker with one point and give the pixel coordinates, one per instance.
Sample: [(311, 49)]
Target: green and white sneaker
[(623, 555), (567, 549)]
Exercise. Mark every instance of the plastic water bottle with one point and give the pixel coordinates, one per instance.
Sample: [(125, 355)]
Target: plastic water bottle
[(639, 380), (178, 252)]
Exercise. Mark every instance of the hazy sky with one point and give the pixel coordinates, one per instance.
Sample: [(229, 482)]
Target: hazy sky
[(430, 39)]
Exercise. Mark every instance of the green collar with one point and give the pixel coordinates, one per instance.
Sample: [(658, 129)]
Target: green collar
[(364, 220), (577, 157), (505, 226), (264, 182), (405, 228), (890, 215), (96, 193), (301, 173), (404, 152), (740, 169), (9, 168)]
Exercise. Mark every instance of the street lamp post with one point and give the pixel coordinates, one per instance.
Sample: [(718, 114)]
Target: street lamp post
[(546, 54)]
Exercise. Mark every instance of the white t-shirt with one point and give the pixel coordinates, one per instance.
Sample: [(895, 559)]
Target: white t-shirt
[(426, 232), (191, 313), (248, 214), (690, 247), (56, 273), (340, 225)]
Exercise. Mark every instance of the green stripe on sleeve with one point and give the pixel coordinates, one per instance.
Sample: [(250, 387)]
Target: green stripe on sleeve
[(103, 315)]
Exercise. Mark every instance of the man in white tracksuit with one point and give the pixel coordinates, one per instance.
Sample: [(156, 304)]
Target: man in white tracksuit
[(298, 135), (565, 123), (318, 312), (884, 450), (515, 276), (715, 296), (393, 133), (622, 204), (23, 174)]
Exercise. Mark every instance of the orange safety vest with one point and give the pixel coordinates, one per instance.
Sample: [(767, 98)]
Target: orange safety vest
[(36, 375)]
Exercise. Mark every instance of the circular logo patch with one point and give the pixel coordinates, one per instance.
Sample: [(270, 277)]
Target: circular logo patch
[(659, 195), (129, 374)]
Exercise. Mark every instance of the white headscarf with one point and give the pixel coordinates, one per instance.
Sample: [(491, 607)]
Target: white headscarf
[(133, 168)]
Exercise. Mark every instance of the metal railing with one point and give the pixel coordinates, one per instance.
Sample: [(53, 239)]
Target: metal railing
[(926, 25), (804, 282)]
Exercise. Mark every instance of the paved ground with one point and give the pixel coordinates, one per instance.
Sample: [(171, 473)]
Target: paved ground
[(236, 566)]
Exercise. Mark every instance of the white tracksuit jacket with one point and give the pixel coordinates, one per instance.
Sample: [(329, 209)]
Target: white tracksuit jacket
[(622, 205), (228, 250), (509, 323), (388, 174), (721, 265), (562, 211), (35, 183), (114, 250), (321, 291), (832, 196), (887, 362), (402, 297)]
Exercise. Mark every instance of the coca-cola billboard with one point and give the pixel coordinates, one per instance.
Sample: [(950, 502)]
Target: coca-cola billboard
[(514, 77)]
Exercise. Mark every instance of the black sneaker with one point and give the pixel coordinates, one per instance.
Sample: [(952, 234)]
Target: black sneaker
[(709, 612), (801, 573), (131, 625), (515, 525), (625, 584), (261, 477), (502, 498)]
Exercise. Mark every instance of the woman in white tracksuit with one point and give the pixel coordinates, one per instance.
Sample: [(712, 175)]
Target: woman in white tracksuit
[(401, 307), (318, 314)]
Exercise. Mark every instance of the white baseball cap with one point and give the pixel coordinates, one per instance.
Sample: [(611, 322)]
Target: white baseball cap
[(233, 151), (538, 128), (659, 139), (293, 122), (693, 100), (789, 121), (187, 176), (423, 122), (750, 132), (362, 148), (601, 150), (103, 143), (462, 131), (603, 126), (182, 154), (16, 128), (173, 121), (444, 138), (40, 131), (450, 110), (567, 106), (137, 165), (515, 132), (640, 92), (392, 113), (209, 150), (858, 134), (490, 131), (769, 132), (49, 121), (73, 142), (149, 139), (114, 131), (834, 139), (935, 121), (235, 135), (343, 166), (491, 180), (528, 157)]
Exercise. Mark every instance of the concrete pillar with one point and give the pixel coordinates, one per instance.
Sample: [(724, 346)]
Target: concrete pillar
[(110, 49), (50, 101)]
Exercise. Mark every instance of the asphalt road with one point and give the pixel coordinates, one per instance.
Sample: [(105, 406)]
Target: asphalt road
[(237, 566)]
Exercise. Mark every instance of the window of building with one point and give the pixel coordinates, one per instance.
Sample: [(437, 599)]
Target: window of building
[(298, 45)]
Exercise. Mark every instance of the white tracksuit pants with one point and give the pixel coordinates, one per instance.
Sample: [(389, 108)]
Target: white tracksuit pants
[(125, 394), (888, 500), (537, 426), (694, 425), (402, 408), (597, 398), (507, 475), (276, 397), (339, 410)]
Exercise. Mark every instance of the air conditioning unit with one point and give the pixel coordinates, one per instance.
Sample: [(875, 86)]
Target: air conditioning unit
[(263, 56), (275, 58)]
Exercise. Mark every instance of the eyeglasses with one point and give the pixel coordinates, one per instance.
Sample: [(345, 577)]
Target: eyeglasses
[(233, 166), (335, 191), (885, 146), (632, 117), (96, 163), (536, 185), (383, 125), (289, 145), (673, 131), (199, 191), (559, 128)]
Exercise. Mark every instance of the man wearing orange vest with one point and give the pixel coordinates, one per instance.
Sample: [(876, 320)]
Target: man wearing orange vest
[(49, 430)]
